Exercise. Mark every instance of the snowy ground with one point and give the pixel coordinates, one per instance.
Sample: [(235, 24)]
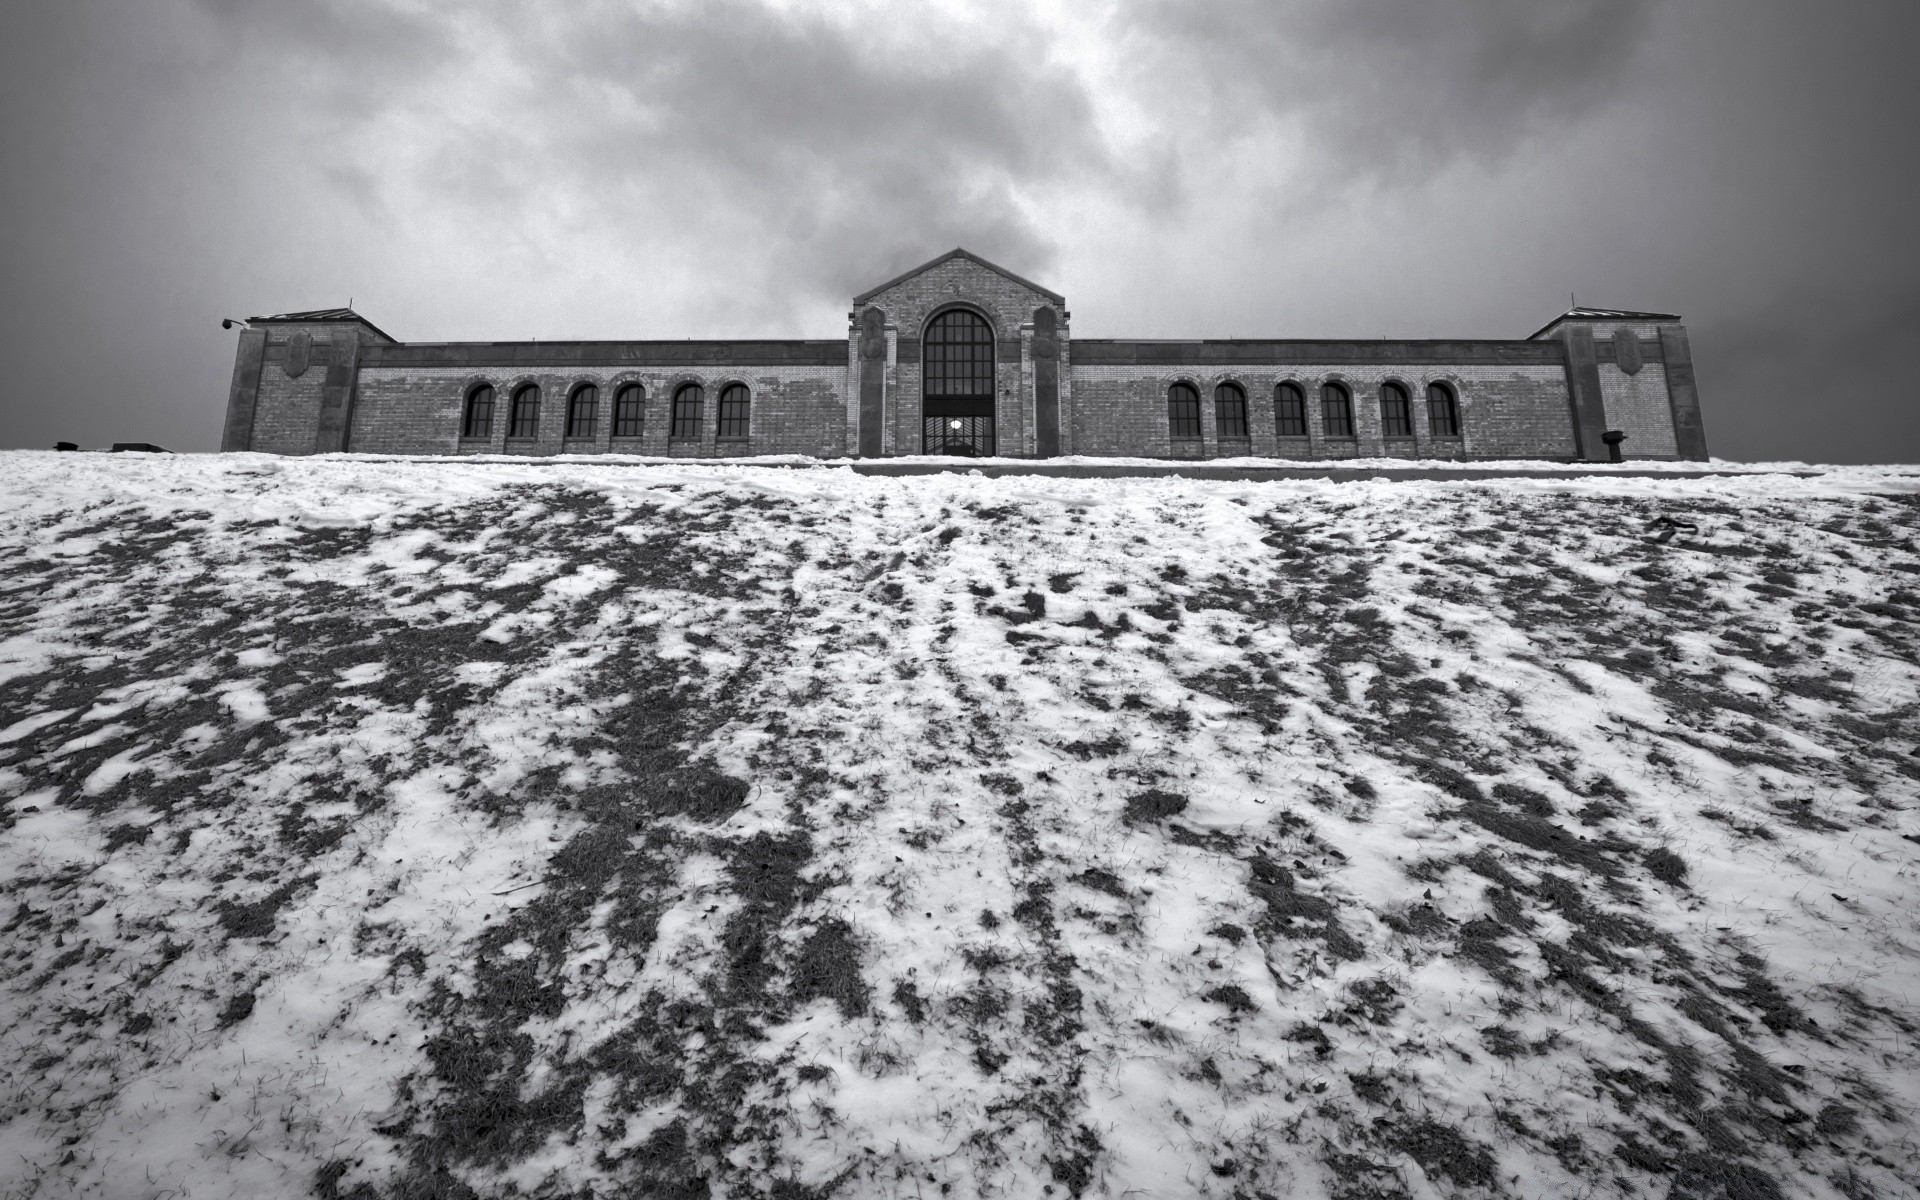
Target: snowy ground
[(402, 829)]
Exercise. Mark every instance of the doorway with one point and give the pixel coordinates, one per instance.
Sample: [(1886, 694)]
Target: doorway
[(957, 401)]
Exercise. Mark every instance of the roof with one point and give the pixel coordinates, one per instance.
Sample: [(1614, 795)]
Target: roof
[(321, 316), (1581, 313), (971, 257)]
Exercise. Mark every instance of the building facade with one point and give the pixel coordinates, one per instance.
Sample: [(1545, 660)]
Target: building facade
[(960, 357)]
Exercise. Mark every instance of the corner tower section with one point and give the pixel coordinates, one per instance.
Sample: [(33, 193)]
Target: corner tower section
[(959, 356), (1632, 373), (294, 378)]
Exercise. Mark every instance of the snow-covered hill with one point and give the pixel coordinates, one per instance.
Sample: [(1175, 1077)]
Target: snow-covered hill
[(379, 829)]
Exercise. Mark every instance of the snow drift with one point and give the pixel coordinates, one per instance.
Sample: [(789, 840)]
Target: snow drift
[(403, 829)]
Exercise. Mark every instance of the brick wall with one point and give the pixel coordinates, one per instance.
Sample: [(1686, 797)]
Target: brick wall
[(794, 409), (412, 412), (1637, 405), (286, 416), (1510, 412), (288, 411), (1505, 411)]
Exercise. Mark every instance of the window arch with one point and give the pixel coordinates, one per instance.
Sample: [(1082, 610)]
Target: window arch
[(688, 402), (736, 407), (524, 421), (1443, 411), (958, 353), (1396, 410), (1230, 411), (479, 414), (1183, 413), (583, 411), (1290, 410), (629, 407), (957, 385), (1336, 409)]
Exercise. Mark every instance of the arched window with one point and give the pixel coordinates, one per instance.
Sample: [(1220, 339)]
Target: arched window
[(1396, 411), (525, 420), (1183, 413), (1443, 411), (959, 355), (583, 410), (735, 408), (1290, 410), (1229, 411), (687, 405), (479, 422), (957, 385), (1336, 409), (629, 403)]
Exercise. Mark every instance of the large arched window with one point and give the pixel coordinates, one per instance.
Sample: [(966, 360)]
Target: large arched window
[(1443, 411), (479, 421), (1183, 413), (1229, 411), (1396, 411), (735, 409), (1336, 409), (688, 404), (1290, 410), (583, 411), (629, 406), (956, 392), (525, 419)]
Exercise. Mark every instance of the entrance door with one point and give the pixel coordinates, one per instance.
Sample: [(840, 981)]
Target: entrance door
[(957, 386)]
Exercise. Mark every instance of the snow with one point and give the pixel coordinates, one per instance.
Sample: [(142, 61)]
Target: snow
[(579, 826)]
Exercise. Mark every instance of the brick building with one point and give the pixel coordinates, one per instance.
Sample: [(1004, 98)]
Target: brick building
[(961, 357)]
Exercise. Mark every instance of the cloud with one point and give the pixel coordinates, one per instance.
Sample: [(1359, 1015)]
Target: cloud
[(849, 153), (1399, 89), (358, 51), (839, 146)]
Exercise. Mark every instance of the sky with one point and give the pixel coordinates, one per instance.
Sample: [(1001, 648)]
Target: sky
[(728, 168)]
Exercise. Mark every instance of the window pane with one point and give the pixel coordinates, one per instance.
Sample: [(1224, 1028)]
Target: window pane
[(1443, 415), (627, 404), (958, 353), (1290, 411), (479, 412), (687, 403), (583, 411), (734, 411), (1230, 411), (526, 413), (1336, 407), (1396, 411), (1183, 413)]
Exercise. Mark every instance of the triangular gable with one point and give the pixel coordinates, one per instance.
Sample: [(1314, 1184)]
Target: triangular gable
[(957, 252)]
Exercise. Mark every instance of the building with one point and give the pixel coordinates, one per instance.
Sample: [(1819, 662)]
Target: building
[(962, 357)]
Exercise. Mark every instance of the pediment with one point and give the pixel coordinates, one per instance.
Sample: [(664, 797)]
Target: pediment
[(960, 277), (867, 297)]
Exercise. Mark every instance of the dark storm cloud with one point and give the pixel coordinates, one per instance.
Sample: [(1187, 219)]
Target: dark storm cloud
[(1401, 88), (852, 155)]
